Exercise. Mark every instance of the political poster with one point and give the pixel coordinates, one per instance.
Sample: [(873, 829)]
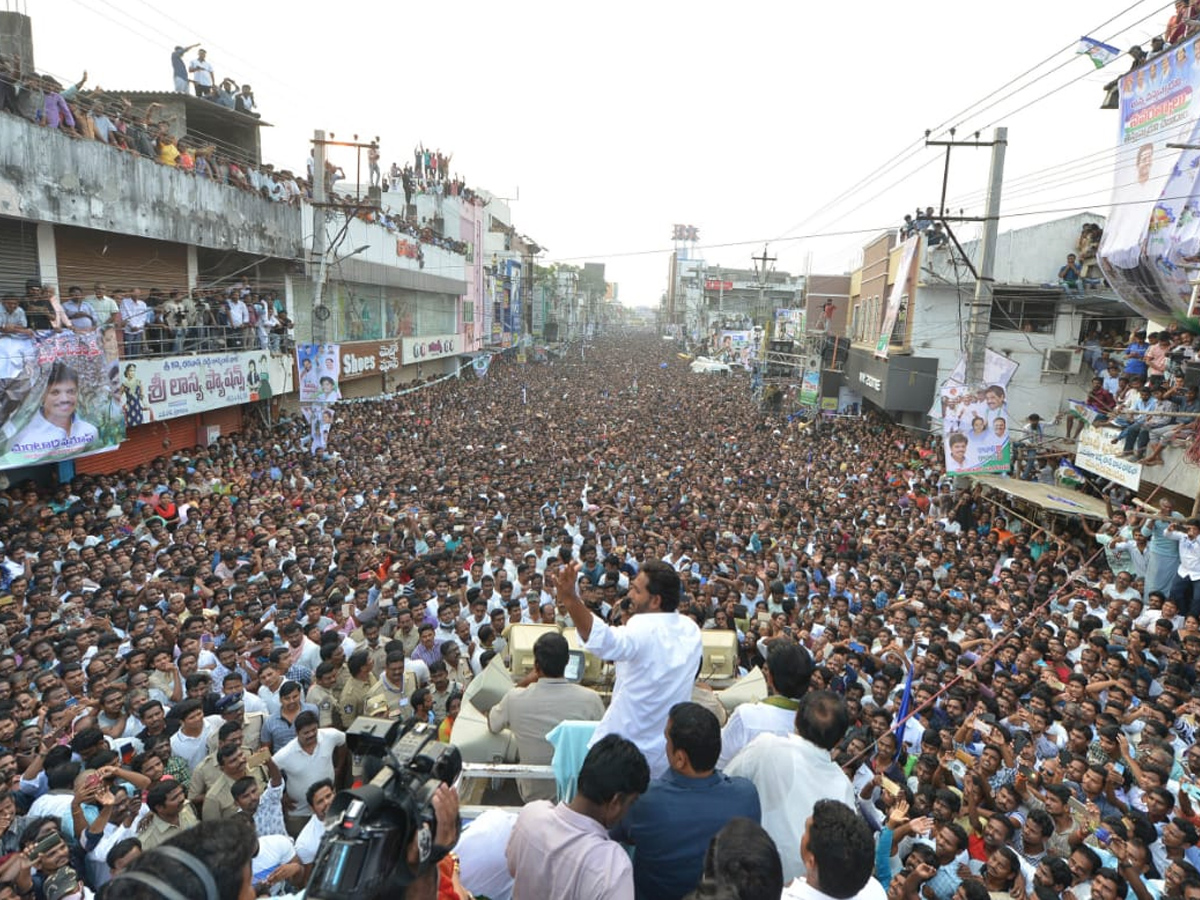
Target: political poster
[(1153, 229), (318, 365), (976, 425), (156, 389), (849, 402), (58, 398), (1096, 453), (810, 388), (790, 324), (737, 347), (319, 417)]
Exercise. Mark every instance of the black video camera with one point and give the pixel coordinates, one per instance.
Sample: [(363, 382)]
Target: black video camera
[(364, 853)]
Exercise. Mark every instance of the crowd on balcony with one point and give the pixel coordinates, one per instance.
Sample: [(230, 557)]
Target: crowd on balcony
[(1184, 23), (113, 119), (155, 322)]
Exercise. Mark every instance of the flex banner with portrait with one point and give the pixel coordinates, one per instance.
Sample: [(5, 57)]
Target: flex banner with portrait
[(319, 366), (58, 399), (976, 426), (319, 417), (1154, 224)]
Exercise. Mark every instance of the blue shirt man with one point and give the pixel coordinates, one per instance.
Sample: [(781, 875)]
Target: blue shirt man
[(1135, 355), (671, 824)]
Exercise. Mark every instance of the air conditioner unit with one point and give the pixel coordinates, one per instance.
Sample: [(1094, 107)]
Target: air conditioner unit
[(1062, 361)]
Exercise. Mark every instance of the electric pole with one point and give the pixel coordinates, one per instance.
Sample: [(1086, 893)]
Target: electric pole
[(979, 323), (319, 313), (763, 273)]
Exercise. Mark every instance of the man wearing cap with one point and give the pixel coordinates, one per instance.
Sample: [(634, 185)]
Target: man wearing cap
[(236, 705)]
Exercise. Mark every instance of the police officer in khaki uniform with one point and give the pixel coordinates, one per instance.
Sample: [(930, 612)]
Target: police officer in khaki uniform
[(393, 691), (322, 695), (355, 693)]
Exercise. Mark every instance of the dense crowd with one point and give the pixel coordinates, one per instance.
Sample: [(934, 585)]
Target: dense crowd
[(965, 698)]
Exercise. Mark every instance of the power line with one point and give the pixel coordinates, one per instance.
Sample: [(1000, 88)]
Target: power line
[(913, 149)]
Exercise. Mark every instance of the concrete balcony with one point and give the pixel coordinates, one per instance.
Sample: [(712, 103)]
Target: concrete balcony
[(46, 176)]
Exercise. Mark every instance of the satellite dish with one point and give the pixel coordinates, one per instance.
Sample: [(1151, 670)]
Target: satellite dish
[(321, 312)]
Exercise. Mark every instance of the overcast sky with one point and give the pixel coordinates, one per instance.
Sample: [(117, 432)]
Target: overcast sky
[(613, 121)]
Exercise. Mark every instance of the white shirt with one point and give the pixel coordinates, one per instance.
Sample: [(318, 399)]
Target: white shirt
[(484, 869), (310, 654), (748, 721), (303, 769), (1189, 554), (308, 841), (802, 890), (791, 775), (134, 314), (58, 806), (268, 698), (202, 72), (273, 851), (192, 749), (42, 437), (239, 313), (657, 656)]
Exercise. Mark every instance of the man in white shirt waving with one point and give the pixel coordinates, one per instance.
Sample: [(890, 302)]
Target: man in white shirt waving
[(1185, 589), (657, 655)]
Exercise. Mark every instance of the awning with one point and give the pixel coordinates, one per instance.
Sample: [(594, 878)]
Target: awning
[(1051, 498)]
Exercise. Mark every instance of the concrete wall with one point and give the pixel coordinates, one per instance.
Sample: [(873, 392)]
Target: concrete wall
[(1031, 255), (828, 287), (16, 39), (382, 247), (874, 286), (48, 177)]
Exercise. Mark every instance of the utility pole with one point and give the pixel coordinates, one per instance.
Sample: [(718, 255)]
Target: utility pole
[(320, 204), (979, 322), (320, 315), (763, 273), (980, 314)]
